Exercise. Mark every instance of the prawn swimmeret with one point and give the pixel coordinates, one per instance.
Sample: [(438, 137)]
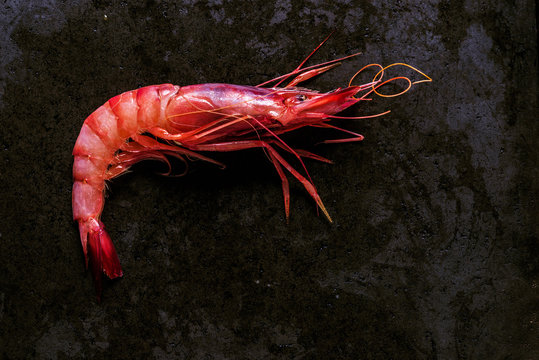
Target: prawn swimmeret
[(158, 121)]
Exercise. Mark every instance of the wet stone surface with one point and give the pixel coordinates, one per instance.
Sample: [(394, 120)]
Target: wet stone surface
[(433, 249)]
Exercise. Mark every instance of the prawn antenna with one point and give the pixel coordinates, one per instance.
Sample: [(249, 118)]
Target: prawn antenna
[(316, 69)]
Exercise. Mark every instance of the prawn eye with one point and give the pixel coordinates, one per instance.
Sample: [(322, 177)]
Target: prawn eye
[(294, 100)]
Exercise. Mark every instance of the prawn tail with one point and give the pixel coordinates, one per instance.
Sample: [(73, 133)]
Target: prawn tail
[(101, 253)]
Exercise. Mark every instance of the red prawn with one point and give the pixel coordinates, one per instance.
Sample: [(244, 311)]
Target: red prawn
[(157, 121)]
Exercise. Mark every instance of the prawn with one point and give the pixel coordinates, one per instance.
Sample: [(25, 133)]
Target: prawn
[(161, 121)]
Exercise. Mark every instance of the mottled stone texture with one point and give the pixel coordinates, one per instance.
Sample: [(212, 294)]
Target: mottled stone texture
[(433, 253)]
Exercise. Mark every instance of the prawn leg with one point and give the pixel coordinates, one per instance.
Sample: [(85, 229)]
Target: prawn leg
[(284, 184), (163, 134), (305, 153), (151, 144), (276, 159), (146, 148), (125, 160), (355, 138), (201, 132)]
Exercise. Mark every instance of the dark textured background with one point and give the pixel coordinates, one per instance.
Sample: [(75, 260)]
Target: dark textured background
[(433, 253)]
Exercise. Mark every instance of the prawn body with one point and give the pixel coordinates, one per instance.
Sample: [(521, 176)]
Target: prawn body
[(160, 121)]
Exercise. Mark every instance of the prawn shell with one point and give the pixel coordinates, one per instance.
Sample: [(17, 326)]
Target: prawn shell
[(87, 169), (192, 108), (103, 122), (89, 142), (87, 199), (125, 107), (149, 104)]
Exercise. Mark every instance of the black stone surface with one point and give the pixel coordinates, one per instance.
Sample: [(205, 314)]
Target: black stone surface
[(433, 252)]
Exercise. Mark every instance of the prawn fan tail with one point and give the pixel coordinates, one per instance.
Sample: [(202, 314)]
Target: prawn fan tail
[(103, 251), (102, 255)]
